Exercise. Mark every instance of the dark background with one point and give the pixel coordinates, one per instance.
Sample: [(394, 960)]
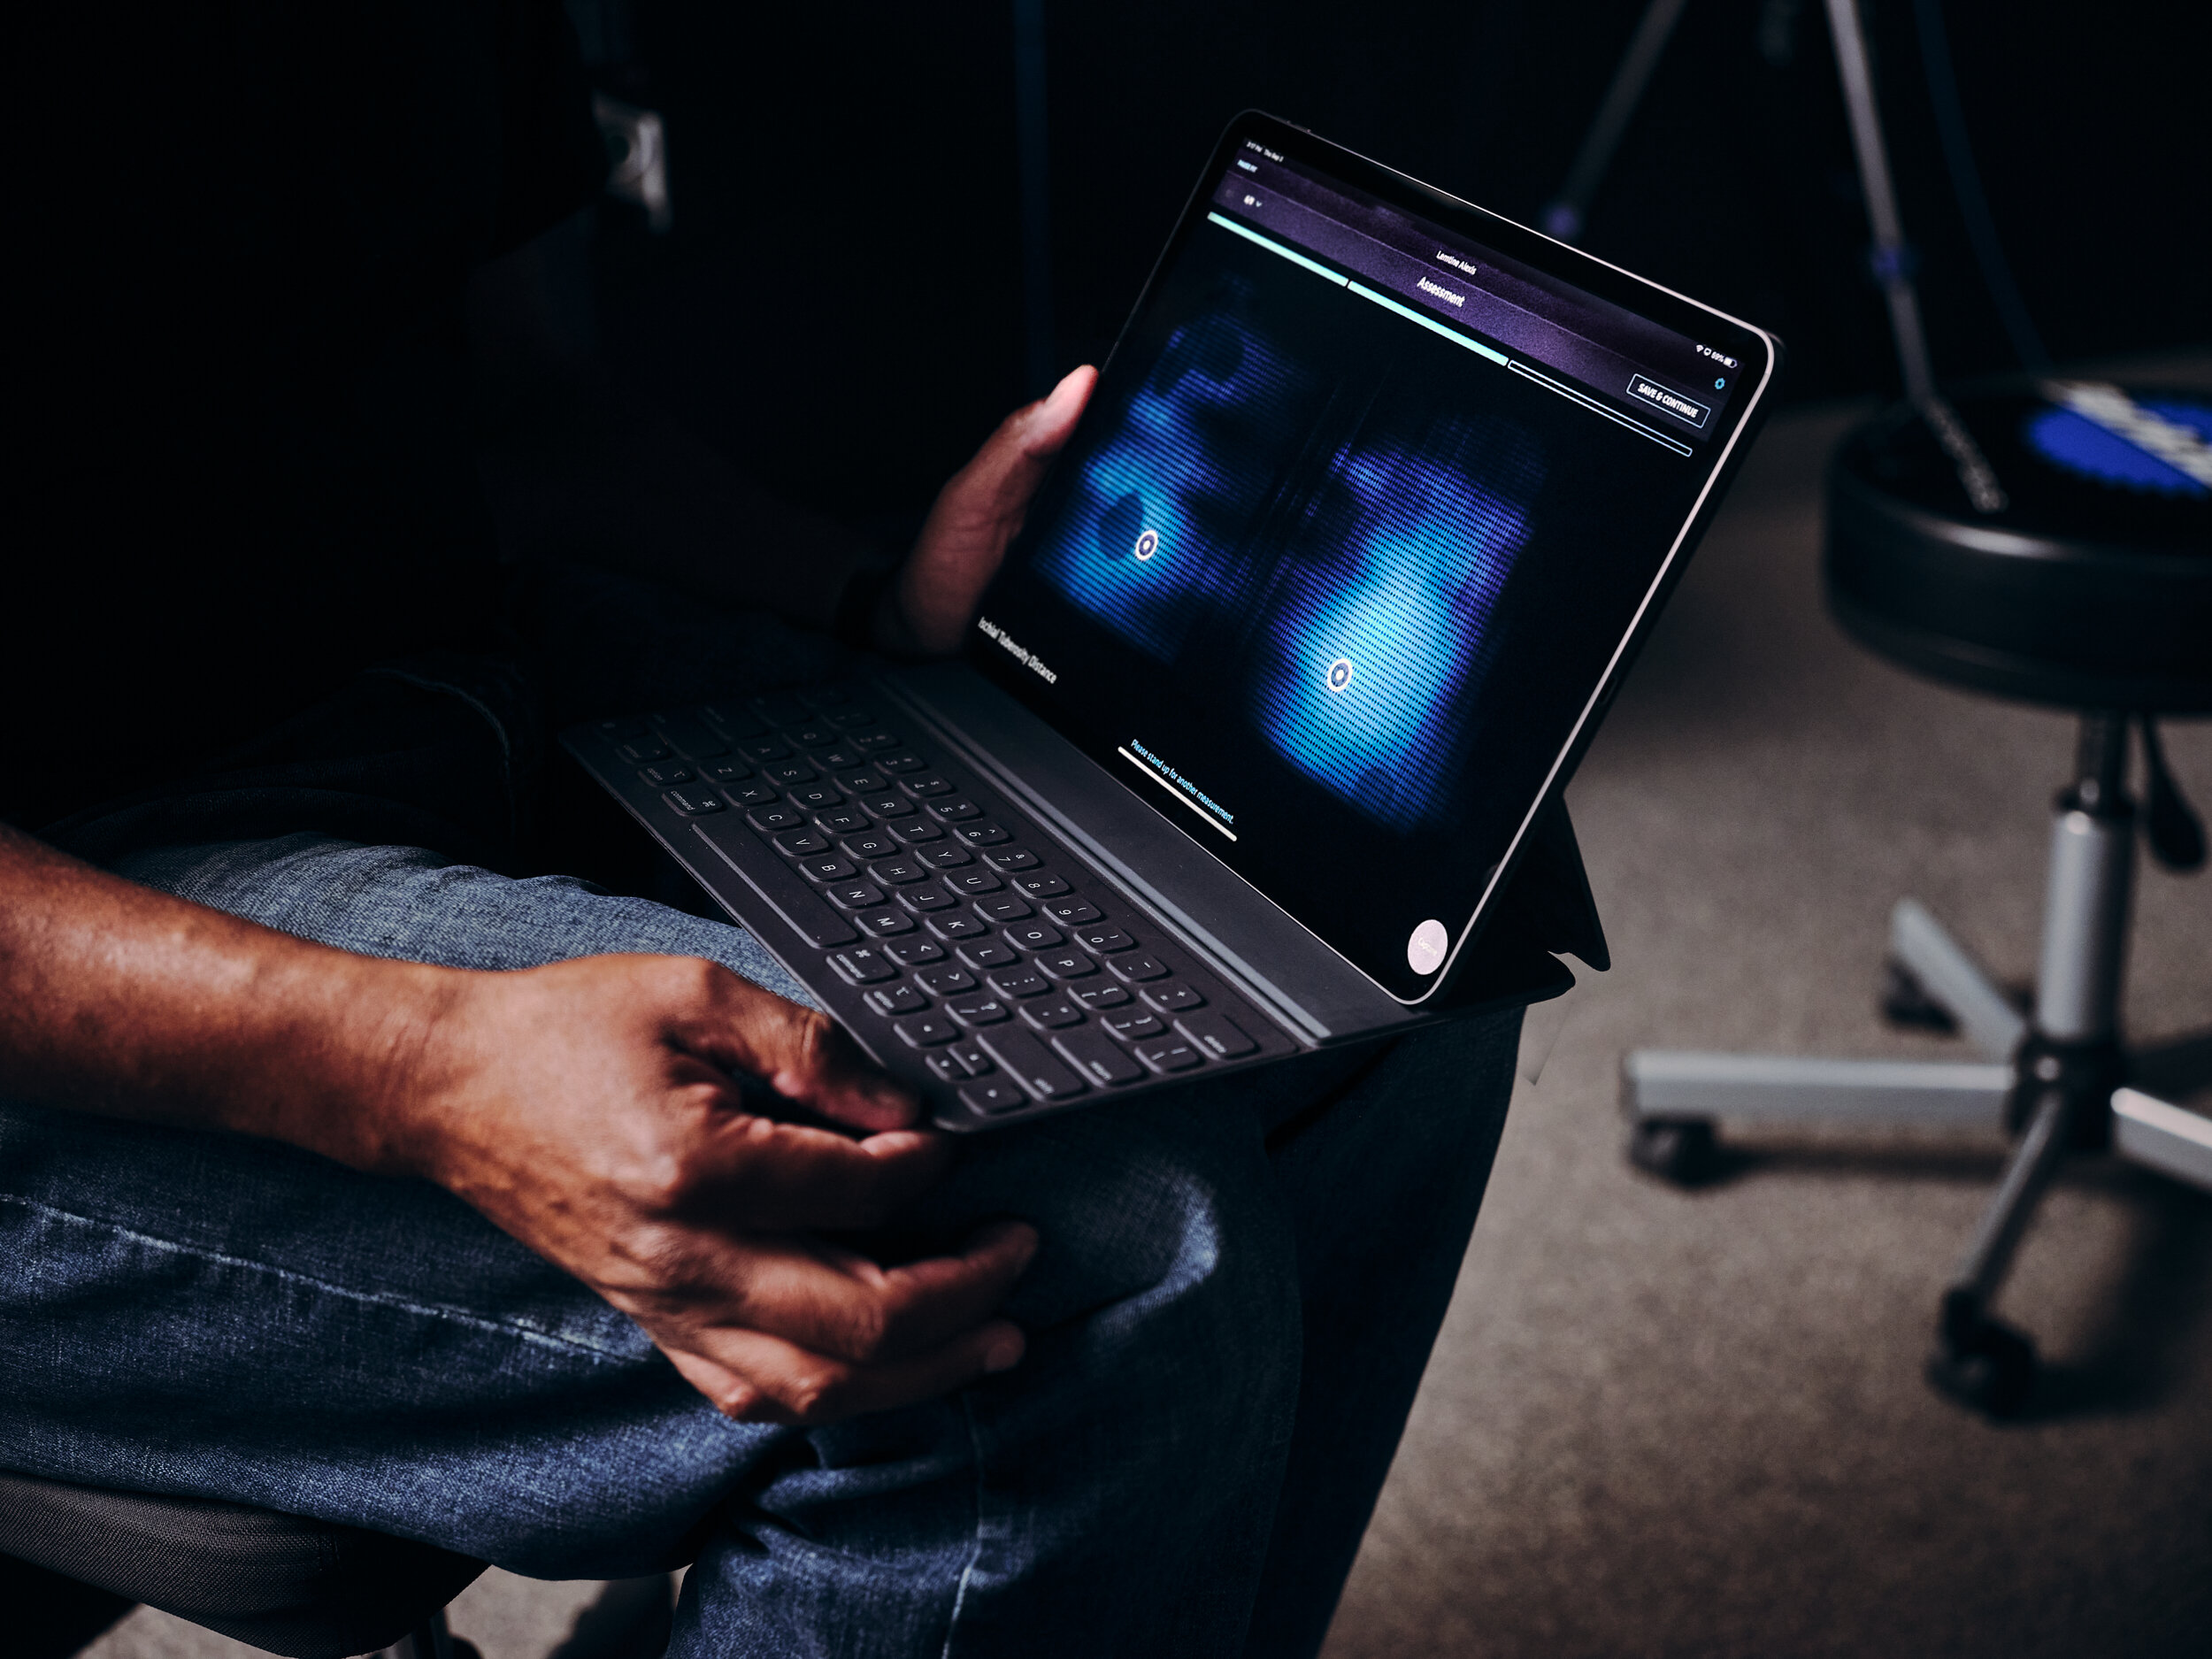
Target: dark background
[(841, 303)]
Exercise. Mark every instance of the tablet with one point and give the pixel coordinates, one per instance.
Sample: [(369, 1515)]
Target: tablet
[(1377, 493)]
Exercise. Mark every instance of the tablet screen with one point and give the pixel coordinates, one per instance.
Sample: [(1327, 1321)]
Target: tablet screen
[(1363, 511)]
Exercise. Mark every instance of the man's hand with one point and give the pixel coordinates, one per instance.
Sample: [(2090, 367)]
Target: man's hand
[(588, 1108), (927, 608)]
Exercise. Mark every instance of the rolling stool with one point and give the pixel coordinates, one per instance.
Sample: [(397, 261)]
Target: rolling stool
[(2052, 541), (309, 1589)]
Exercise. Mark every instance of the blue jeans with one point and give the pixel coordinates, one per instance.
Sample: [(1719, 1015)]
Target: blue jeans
[(1236, 1294)]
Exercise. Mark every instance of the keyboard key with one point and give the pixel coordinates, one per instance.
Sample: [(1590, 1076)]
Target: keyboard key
[(858, 783), (986, 953), (813, 797), (736, 724), (984, 835), (815, 734), (641, 750), (873, 738), (971, 1059), (855, 896), (870, 844), (922, 786), (1004, 908), (1011, 858), (780, 708), (863, 966), (761, 749), (801, 844), (923, 901), (1216, 1035), (1049, 1013), (1033, 936), (994, 1097), (849, 715), (1095, 1058), (912, 953), (973, 883), (957, 925), (1067, 964), (945, 979), (943, 857), (754, 794), (957, 810), (842, 821), (1172, 997), (1136, 968), (691, 735), (725, 771), (1031, 1063), (824, 867), (943, 1067), (615, 730), (837, 759), (904, 761), (1104, 939), (667, 775), (1019, 981), (977, 1011), (789, 773), (1044, 886), (1071, 912), (1099, 994), (1168, 1053), (916, 830), (884, 923), (694, 802), (1132, 1025), (888, 805), (897, 872), (797, 905), (895, 999), (774, 818)]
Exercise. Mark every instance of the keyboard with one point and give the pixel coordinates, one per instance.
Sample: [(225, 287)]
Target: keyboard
[(972, 954)]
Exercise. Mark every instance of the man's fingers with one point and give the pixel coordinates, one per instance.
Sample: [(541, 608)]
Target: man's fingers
[(848, 1308), (755, 1377), (799, 1052), (773, 1177)]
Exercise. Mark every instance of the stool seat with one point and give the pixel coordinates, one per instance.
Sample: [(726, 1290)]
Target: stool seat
[(2090, 586), (305, 1588)]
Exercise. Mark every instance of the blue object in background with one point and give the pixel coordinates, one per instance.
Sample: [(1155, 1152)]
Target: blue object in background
[(1403, 596), (1158, 516), (2082, 446)]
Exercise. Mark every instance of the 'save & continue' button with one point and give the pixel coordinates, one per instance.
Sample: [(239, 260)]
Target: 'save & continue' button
[(1680, 407)]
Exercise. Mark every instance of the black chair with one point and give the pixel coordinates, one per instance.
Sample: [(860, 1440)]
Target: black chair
[(78, 1558), (2047, 541)]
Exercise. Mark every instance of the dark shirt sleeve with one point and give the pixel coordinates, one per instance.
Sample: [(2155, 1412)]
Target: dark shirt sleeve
[(553, 162)]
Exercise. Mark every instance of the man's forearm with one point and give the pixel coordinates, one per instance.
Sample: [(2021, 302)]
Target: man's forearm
[(118, 1000)]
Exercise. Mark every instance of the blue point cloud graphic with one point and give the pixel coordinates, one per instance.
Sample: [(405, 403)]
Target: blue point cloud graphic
[(1158, 513), (1404, 601)]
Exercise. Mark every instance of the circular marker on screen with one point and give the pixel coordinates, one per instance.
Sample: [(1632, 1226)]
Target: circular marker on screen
[(1147, 544), (1424, 951), (1340, 674)]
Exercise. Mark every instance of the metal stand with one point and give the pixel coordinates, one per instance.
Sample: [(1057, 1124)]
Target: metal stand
[(2055, 1079)]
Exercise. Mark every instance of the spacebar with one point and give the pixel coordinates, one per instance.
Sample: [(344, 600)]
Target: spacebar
[(803, 911)]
